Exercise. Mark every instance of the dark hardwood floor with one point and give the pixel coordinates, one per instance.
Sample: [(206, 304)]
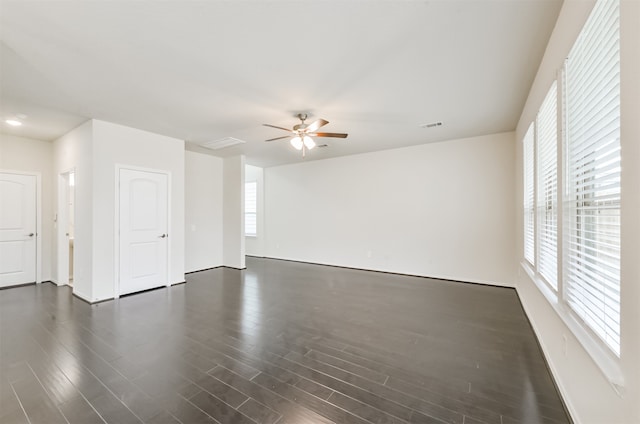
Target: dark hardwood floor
[(281, 342)]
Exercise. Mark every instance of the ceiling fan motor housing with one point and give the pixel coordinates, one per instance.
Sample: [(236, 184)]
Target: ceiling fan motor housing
[(301, 126)]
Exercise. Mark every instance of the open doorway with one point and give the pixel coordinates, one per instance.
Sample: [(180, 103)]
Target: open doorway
[(66, 227), (71, 221)]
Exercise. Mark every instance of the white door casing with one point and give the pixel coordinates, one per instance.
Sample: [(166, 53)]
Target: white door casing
[(62, 228), (143, 224), (18, 228)]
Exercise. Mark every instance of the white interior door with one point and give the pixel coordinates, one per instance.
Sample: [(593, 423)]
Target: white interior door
[(143, 230), (17, 229)]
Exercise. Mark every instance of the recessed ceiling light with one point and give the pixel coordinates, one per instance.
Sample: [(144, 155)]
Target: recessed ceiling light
[(13, 122)]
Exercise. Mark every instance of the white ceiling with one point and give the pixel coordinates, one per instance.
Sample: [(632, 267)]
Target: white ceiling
[(204, 70)]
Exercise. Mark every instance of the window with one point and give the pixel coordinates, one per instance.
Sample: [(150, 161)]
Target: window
[(250, 208), (547, 189), (529, 212), (592, 189), (589, 166)]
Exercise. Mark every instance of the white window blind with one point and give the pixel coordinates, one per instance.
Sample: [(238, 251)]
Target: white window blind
[(529, 211), (250, 208), (547, 190), (592, 194)]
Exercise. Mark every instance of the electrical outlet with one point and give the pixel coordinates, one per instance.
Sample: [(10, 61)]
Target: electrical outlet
[(564, 344), (368, 253)]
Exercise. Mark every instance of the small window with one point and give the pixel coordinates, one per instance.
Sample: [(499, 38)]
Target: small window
[(547, 172), (251, 209), (529, 199)]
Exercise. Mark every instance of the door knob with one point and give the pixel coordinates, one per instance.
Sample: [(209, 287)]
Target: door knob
[(163, 236), (31, 234)]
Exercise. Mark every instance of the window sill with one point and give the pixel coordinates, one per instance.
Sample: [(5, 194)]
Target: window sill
[(251, 235), (606, 362)]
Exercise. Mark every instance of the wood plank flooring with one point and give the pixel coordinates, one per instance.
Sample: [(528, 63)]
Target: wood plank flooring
[(280, 342)]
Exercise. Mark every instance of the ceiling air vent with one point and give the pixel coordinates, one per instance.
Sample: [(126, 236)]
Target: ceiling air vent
[(431, 125), (222, 143)]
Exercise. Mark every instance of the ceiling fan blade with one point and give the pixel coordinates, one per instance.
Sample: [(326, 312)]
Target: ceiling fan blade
[(280, 128), (315, 125), (335, 135), (278, 138)]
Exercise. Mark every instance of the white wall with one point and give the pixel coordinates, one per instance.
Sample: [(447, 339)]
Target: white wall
[(442, 210), (255, 245), (589, 394), (630, 141), (233, 212), (74, 151), (28, 155), (116, 144), (203, 211)]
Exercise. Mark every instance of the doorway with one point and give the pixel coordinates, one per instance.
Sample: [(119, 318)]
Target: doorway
[(143, 222), (66, 226), (18, 228)]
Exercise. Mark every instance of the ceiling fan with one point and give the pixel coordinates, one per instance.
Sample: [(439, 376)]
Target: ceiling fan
[(303, 132)]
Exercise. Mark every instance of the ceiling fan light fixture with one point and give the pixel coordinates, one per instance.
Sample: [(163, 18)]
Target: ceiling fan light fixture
[(302, 134), (297, 143), (308, 142)]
